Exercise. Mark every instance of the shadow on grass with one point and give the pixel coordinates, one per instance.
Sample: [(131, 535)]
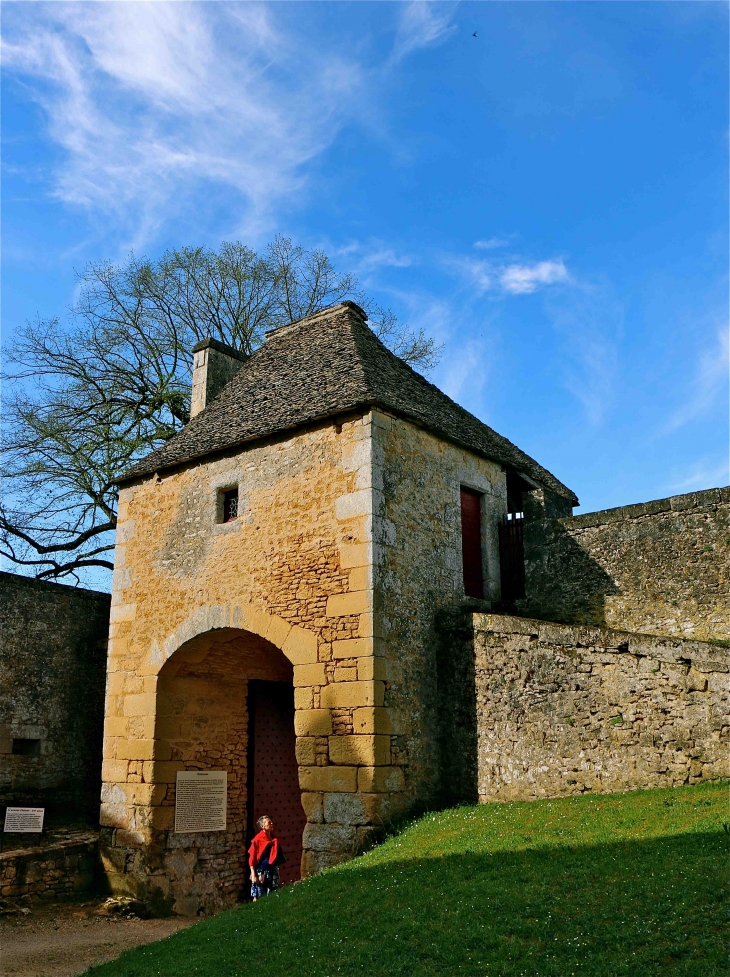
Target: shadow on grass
[(631, 908)]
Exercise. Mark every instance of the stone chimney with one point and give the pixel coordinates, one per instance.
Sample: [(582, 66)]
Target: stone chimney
[(214, 364)]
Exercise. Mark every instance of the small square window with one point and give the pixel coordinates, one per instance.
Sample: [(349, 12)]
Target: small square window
[(26, 747), (230, 505)]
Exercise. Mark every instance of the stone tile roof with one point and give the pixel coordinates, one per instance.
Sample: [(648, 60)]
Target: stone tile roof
[(326, 365)]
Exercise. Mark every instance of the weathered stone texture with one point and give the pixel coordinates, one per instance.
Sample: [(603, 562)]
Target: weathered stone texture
[(341, 575), (53, 642), (457, 718), (660, 567), (214, 364), (565, 709), (418, 572), (284, 592), (50, 871)]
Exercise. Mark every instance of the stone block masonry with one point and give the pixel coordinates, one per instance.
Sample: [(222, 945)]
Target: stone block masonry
[(418, 574), (566, 709), (659, 567), (282, 593), (51, 871), (53, 643)]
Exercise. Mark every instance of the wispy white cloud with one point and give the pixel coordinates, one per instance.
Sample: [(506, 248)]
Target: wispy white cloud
[(520, 279), (588, 319), (489, 243), (436, 315), (703, 474), (464, 372), (709, 383), (514, 278), (365, 257), (150, 101), (469, 341), (422, 23), (385, 258), (585, 315), (479, 274)]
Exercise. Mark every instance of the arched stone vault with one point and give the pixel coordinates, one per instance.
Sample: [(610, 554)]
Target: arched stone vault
[(216, 650), (202, 722), (298, 644)]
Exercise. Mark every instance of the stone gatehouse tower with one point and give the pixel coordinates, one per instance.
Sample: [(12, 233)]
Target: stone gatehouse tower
[(302, 533)]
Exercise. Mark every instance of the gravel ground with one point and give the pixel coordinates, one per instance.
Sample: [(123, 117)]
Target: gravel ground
[(64, 939)]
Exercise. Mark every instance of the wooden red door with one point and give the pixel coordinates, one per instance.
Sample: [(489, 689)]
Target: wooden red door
[(273, 781), (471, 543)]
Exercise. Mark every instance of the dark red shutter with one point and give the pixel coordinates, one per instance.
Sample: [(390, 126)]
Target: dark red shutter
[(512, 558), (471, 543)]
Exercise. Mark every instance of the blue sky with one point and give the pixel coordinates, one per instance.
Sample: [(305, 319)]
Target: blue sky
[(547, 199)]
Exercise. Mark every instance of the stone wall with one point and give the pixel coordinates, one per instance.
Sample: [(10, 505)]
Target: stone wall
[(456, 724), (293, 571), (50, 871), (659, 567), (418, 573), (566, 709), (52, 669)]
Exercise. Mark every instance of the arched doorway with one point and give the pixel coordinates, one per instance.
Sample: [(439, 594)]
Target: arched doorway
[(225, 702)]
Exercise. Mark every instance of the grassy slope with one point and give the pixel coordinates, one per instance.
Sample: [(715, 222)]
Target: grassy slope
[(606, 886)]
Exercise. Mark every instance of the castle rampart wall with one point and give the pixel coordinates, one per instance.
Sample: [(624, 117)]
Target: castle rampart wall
[(53, 642), (660, 567), (564, 709)]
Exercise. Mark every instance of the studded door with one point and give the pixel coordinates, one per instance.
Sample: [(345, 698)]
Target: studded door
[(273, 782)]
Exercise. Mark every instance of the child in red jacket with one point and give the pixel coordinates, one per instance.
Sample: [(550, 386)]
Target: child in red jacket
[(264, 857)]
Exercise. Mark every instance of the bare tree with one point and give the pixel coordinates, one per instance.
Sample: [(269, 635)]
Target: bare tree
[(90, 396)]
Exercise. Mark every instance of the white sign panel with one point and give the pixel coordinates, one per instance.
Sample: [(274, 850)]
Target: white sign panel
[(24, 820), (200, 800)]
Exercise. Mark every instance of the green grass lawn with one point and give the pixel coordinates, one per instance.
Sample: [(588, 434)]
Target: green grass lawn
[(592, 886)]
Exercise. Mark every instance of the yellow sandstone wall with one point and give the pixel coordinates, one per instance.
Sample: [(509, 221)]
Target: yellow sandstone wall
[(348, 542), (295, 569)]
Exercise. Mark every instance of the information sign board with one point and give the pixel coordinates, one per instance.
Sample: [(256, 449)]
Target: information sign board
[(24, 820), (200, 800)]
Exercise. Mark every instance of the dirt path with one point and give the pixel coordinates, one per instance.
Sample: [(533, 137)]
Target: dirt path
[(64, 939)]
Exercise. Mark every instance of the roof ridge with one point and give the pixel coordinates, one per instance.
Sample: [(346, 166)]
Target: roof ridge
[(327, 312), (419, 376)]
